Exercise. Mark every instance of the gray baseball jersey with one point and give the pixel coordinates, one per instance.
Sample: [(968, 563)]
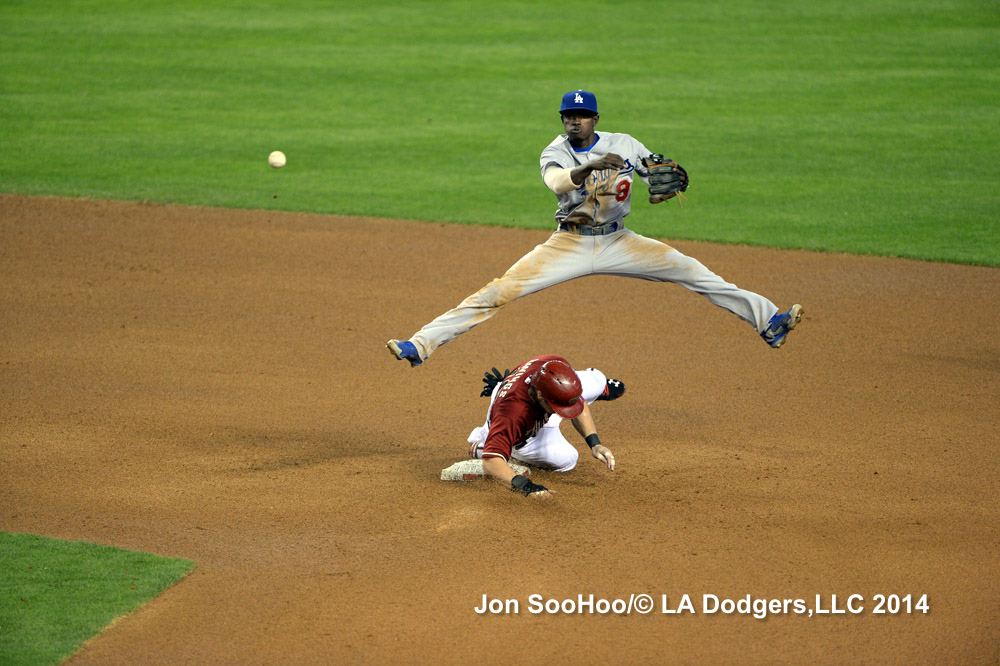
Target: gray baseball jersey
[(606, 196), (603, 198)]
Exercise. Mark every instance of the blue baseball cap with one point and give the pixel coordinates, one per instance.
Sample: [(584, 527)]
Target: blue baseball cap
[(579, 100)]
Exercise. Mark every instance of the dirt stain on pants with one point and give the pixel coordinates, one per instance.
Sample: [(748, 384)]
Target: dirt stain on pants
[(567, 256)]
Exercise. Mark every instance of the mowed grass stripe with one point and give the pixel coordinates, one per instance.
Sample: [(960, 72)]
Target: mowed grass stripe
[(826, 125)]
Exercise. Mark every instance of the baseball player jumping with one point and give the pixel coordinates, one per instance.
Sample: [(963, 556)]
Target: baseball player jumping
[(592, 176), (526, 409)]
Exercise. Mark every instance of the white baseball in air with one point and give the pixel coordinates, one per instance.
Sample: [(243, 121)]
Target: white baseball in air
[(276, 159)]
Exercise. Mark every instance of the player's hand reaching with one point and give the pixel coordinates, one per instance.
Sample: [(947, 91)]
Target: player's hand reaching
[(522, 484), (604, 454), (609, 161)]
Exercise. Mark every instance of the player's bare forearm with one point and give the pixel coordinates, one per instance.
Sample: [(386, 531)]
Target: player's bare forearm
[(499, 469), (609, 161), (584, 425)]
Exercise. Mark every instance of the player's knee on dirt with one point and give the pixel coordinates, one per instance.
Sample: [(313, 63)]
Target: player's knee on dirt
[(567, 459), (559, 458)]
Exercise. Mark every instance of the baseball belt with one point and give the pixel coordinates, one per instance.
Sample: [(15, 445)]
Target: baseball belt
[(591, 230)]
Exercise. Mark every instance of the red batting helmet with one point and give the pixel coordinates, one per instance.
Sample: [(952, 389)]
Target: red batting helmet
[(561, 388)]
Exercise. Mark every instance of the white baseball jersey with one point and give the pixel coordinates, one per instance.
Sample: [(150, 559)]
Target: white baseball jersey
[(606, 196)]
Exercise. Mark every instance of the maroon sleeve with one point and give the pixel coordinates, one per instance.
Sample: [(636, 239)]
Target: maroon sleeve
[(506, 429)]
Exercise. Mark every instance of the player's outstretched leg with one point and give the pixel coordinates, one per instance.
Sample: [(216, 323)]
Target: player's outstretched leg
[(631, 255), (555, 261), (780, 324), (404, 350)]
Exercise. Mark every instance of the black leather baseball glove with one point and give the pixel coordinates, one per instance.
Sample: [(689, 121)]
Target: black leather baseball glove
[(667, 179), (491, 380)]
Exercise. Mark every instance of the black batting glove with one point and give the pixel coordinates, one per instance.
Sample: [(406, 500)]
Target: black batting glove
[(521, 484), (490, 380)]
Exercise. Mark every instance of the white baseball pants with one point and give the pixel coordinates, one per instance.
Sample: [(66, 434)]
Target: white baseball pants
[(566, 256)]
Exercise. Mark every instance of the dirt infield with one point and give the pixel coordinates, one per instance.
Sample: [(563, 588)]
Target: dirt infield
[(212, 384)]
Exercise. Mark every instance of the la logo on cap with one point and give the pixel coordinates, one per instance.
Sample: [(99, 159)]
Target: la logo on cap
[(578, 100)]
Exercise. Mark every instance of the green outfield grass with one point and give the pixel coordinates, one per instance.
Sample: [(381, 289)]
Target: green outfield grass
[(54, 594), (866, 127)]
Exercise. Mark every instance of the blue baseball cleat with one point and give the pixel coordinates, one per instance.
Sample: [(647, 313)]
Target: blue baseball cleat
[(779, 325), (404, 350)]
